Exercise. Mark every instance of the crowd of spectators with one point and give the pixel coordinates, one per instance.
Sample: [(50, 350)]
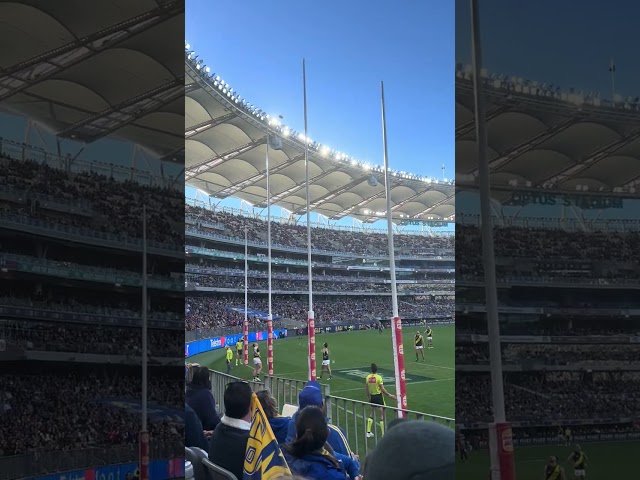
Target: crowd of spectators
[(60, 411), (313, 447), (213, 311), (66, 304), (291, 235), (93, 339), (551, 253), (237, 283), (111, 206), (560, 396), (576, 355), (334, 276)]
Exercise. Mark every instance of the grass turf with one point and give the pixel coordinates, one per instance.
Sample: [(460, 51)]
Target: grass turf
[(604, 460), (430, 384)]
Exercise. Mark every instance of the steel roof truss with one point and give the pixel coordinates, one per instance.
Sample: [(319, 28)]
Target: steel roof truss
[(23, 75), (108, 121)]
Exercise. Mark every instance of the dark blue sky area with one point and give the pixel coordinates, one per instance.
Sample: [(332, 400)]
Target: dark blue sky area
[(566, 43), (258, 46)]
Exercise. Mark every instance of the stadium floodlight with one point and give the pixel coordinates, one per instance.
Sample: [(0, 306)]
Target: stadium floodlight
[(207, 69), (198, 66), (324, 150), (301, 137), (218, 78), (286, 132), (187, 46), (354, 162)]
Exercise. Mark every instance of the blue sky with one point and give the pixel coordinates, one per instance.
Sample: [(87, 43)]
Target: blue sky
[(569, 44), (349, 47)]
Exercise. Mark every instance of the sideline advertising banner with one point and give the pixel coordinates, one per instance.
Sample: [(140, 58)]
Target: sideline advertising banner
[(215, 343)]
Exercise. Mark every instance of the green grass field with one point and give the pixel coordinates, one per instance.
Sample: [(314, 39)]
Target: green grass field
[(430, 384), (606, 460)]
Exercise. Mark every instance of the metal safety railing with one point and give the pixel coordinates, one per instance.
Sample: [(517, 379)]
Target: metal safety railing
[(352, 417), (348, 414)]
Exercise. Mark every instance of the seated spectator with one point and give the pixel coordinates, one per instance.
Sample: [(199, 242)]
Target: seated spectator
[(307, 456), (311, 395), (193, 431), (279, 425), (415, 449), (228, 444), (200, 398)]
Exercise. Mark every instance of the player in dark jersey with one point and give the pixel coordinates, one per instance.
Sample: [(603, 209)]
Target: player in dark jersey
[(429, 334), (579, 460), (553, 470), (380, 327), (419, 344), (257, 363), (326, 363)]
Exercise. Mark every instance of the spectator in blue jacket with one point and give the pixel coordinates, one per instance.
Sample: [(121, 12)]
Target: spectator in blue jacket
[(307, 456), (279, 425), (200, 398), (311, 395)]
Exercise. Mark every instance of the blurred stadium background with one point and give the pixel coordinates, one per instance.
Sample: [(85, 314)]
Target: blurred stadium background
[(564, 177), (90, 101)]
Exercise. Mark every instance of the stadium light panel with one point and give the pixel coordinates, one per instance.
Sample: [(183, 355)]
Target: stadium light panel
[(187, 46), (207, 69), (199, 66), (286, 132)]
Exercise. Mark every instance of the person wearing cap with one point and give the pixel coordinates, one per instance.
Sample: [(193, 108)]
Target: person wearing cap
[(311, 395), (413, 449)]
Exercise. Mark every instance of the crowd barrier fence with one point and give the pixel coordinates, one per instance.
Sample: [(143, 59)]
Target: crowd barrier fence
[(348, 414)]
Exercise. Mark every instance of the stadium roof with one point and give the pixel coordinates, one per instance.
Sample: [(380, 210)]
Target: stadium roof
[(91, 69), (225, 142), (541, 138)]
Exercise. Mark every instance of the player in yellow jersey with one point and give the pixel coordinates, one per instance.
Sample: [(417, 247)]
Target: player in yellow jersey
[(579, 460), (553, 470), (419, 344), (374, 390), (429, 334), (239, 347), (229, 359)]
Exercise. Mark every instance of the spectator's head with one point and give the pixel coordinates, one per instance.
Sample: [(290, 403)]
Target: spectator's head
[(374, 368), (268, 403), (237, 400), (312, 432), (310, 395), (417, 450), (201, 378)]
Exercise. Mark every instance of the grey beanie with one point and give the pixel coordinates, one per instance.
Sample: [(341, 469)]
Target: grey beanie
[(413, 450)]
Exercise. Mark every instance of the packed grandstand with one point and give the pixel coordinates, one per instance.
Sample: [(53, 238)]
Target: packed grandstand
[(80, 311), (566, 247), (348, 286), (225, 143)]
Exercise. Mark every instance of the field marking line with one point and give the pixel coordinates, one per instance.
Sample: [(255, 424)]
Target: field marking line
[(411, 383)]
